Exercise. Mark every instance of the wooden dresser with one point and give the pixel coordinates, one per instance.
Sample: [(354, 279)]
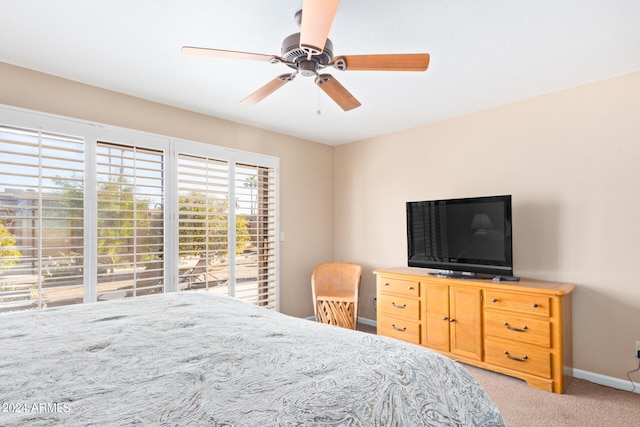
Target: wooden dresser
[(521, 329)]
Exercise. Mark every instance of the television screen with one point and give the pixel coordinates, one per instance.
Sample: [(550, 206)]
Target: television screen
[(471, 235)]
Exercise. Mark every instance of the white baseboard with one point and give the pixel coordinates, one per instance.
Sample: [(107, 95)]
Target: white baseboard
[(368, 322), (612, 382)]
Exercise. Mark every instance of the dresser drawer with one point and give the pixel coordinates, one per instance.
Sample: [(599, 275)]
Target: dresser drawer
[(521, 303), (511, 326), (399, 328), (399, 286), (397, 306), (519, 357)]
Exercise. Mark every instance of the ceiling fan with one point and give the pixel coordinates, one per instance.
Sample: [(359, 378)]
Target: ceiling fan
[(309, 52)]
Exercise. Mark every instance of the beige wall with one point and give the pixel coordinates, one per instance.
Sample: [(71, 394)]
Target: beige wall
[(571, 160), (306, 201)]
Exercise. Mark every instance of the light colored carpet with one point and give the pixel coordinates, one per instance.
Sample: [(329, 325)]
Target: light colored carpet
[(585, 404)]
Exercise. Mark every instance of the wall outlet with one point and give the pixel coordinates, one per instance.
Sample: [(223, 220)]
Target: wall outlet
[(638, 349)]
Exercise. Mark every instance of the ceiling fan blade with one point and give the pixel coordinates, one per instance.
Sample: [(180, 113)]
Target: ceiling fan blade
[(317, 17), (268, 89), (337, 92), (391, 62), (218, 53)]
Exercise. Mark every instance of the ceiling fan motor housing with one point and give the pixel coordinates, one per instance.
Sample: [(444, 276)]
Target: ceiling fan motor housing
[(292, 52)]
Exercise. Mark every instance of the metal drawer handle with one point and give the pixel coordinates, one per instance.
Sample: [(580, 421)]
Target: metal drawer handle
[(517, 359), (395, 328), (511, 328), (393, 303), (535, 306), (410, 288), (386, 284), (494, 300)]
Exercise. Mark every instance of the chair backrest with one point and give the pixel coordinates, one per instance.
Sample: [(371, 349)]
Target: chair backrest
[(336, 278)]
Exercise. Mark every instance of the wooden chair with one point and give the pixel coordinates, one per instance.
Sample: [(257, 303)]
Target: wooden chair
[(335, 287)]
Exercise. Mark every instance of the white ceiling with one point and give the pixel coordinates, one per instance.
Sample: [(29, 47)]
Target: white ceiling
[(483, 53)]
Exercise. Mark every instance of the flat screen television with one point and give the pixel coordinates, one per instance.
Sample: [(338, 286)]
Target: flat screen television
[(466, 238)]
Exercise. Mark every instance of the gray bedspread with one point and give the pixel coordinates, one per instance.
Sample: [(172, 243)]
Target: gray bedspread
[(201, 359)]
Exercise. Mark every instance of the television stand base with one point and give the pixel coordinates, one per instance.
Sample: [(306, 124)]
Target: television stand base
[(473, 276), (505, 279)]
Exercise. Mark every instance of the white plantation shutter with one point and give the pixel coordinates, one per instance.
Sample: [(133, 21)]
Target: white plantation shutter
[(203, 217), (130, 197), (227, 247), (255, 234), (84, 220), (41, 219)]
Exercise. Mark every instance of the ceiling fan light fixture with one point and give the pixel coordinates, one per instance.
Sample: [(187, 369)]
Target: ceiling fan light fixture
[(317, 17)]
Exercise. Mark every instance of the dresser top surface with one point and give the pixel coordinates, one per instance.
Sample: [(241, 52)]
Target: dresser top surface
[(524, 284)]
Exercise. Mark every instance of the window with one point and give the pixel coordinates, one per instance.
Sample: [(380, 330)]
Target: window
[(41, 219), (203, 224), (115, 213), (227, 247), (130, 196), (255, 234)]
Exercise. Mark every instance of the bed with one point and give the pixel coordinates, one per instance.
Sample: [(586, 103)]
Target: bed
[(200, 358)]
